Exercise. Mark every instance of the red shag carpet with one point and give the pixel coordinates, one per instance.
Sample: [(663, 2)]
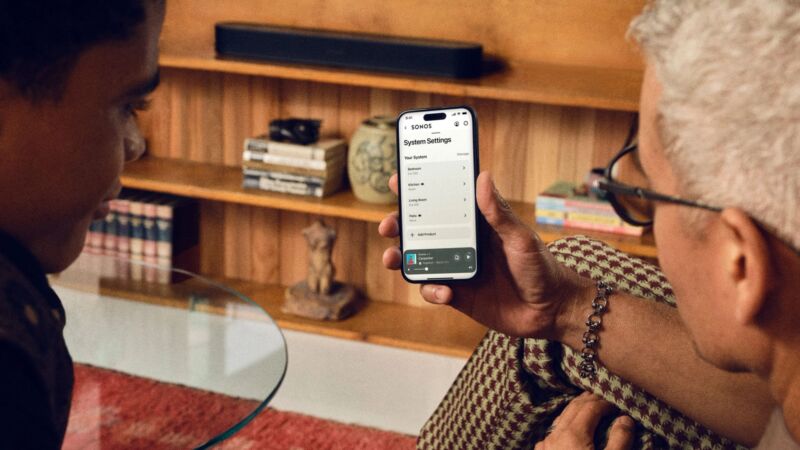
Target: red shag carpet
[(112, 410)]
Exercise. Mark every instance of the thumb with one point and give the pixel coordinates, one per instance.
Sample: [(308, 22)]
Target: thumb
[(496, 209)]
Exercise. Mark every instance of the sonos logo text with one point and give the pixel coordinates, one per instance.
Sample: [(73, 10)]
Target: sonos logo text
[(424, 125)]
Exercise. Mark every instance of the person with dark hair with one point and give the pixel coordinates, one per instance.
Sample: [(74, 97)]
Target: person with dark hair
[(72, 76)]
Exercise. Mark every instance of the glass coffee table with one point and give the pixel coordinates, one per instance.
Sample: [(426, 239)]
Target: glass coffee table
[(179, 332)]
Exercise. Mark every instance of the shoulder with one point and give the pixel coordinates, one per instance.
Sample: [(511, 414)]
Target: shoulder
[(24, 319)]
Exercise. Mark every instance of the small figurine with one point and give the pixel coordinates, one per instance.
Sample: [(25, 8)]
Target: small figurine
[(320, 241), (319, 296)]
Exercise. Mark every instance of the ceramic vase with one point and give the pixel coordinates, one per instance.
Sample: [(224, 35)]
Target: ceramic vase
[(372, 160)]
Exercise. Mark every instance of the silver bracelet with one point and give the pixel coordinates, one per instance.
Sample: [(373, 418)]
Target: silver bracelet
[(591, 338)]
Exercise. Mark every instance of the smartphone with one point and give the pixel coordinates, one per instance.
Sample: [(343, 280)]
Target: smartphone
[(437, 159)]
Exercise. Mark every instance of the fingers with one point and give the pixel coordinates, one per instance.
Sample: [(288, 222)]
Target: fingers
[(392, 259), (584, 413), (498, 212), (575, 427), (393, 183), (436, 294), (390, 226), (620, 437)]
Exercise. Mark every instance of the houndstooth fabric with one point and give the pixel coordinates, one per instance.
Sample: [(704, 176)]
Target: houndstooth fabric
[(512, 389)]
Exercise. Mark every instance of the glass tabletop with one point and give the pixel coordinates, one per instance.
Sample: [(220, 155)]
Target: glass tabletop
[(185, 360)]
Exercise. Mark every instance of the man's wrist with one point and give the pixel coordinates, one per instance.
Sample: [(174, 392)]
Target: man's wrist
[(576, 303)]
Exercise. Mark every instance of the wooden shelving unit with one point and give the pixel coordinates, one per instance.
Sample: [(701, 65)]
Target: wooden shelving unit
[(224, 184), (559, 106), (552, 84), (440, 330)]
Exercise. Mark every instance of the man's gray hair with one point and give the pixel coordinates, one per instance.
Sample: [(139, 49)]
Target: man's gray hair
[(730, 105)]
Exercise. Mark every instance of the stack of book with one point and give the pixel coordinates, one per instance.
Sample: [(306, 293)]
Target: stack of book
[(315, 170), (157, 229), (560, 205)]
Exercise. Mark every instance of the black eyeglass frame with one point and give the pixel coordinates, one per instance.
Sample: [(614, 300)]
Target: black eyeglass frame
[(610, 189)]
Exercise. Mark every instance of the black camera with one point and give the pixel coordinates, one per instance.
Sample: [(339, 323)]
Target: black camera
[(298, 131)]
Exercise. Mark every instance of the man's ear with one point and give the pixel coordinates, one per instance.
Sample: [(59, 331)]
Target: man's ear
[(747, 263)]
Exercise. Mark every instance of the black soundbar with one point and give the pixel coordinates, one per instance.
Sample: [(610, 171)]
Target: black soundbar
[(349, 50)]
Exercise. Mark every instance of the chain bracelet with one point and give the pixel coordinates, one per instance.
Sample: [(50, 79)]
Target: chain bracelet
[(591, 338)]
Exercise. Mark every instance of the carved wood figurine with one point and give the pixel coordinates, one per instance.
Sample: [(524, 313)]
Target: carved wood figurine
[(319, 296), (320, 241)]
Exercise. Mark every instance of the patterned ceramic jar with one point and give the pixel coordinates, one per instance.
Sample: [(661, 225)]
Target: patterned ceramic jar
[(373, 159)]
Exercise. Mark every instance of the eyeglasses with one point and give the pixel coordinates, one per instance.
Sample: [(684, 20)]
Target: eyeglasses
[(633, 204)]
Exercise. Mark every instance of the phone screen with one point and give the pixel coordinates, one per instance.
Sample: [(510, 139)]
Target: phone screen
[(437, 159)]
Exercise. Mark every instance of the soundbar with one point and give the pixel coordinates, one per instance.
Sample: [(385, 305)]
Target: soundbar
[(348, 50)]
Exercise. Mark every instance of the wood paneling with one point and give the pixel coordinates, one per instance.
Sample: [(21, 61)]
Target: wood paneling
[(588, 33), (572, 53), (205, 116)]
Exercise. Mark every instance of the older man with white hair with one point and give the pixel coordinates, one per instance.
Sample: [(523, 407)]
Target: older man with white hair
[(717, 173)]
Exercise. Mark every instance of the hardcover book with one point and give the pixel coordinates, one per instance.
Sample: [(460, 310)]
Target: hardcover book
[(322, 150), (331, 171)]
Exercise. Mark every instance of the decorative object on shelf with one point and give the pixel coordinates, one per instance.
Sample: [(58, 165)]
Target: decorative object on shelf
[(319, 296), (349, 50), (314, 170), (373, 159), (296, 131)]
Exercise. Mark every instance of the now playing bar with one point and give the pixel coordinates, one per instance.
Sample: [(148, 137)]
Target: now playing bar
[(441, 260)]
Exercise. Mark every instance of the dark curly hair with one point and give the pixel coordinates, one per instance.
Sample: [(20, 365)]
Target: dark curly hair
[(41, 40)]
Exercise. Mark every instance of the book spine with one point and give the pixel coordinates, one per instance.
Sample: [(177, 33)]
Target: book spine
[(137, 228), (324, 150), (592, 211), (251, 182), (549, 221), (549, 213), (123, 228), (598, 206), (283, 176), (164, 231), (149, 243), (551, 203), (110, 231), (330, 151), (96, 236), (287, 187), (614, 221), (256, 144), (289, 170), (298, 162), (253, 155)]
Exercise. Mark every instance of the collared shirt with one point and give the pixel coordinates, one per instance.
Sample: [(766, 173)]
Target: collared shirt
[(36, 374)]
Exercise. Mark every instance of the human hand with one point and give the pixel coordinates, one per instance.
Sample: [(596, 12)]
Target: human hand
[(574, 429), (521, 290)]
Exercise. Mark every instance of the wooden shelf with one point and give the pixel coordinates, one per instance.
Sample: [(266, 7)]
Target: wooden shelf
[(439, 330), (224, 184), (432, 329), (592, 87)]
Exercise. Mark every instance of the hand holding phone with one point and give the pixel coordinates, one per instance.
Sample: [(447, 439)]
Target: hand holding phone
[(437, 167), (521, 290)]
